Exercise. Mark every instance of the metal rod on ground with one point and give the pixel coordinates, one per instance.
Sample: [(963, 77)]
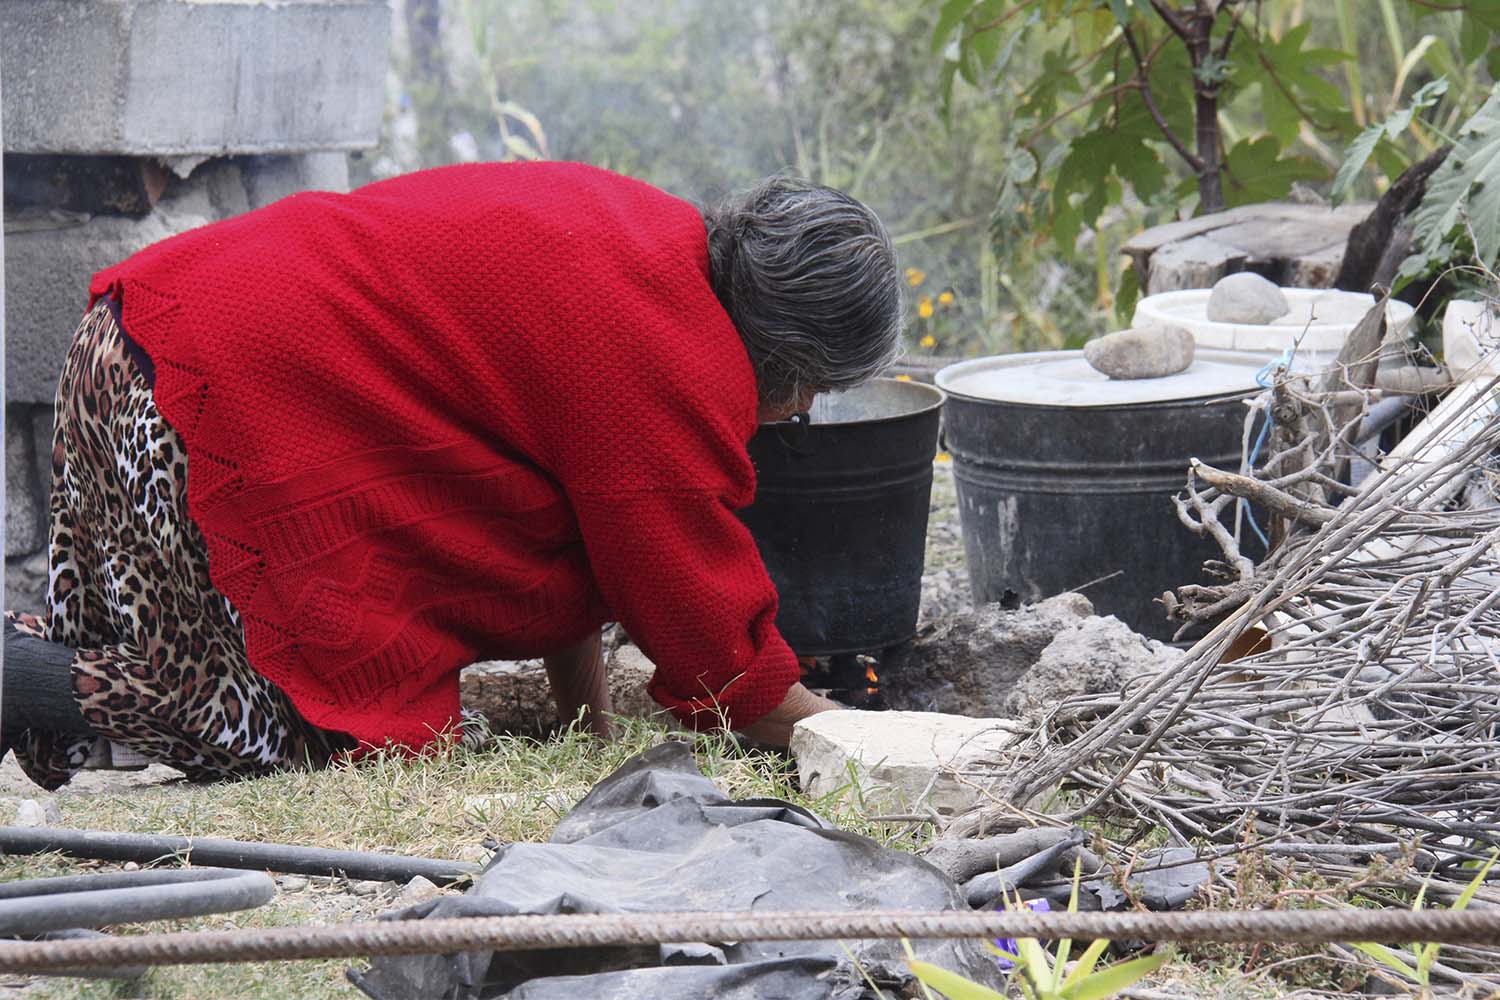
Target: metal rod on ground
[(519, 933), (148, 849)]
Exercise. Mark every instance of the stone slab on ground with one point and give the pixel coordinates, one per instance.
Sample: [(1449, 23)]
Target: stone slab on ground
[(160, 77), (902, 761)]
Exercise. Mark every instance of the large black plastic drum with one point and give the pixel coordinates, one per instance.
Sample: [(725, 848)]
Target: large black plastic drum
[(840, 515), (1065, 477)]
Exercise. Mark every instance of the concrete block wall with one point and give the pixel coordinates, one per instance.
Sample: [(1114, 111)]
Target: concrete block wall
[(127, 121)]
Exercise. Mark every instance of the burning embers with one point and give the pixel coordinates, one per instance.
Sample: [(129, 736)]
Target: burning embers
[(851, 678)]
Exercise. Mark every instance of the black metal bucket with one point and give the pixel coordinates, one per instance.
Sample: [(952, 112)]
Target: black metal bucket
[(1056, 497), (840, 515)]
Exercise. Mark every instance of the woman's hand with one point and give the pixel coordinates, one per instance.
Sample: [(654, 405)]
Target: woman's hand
[(775, 728), (578, 682)]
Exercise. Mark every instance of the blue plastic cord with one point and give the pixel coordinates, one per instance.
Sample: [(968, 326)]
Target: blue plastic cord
[(1263, 379)]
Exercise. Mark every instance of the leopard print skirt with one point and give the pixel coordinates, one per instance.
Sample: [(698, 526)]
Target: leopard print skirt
[(160, 665)]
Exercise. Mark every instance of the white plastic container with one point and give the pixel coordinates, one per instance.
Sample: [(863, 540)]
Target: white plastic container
[(1319, 321)]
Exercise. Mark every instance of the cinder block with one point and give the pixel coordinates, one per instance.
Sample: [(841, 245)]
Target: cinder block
[(178, 77), (23, 507), (48, 264), (271, 178)]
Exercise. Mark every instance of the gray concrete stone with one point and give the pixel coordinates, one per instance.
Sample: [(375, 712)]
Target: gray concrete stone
[(24, 532), (48, 263), (992, 663), (903, 761), (192, 76), (964, 664), (1094, 656), (42, 425), (1151, 352), (1246, 298)]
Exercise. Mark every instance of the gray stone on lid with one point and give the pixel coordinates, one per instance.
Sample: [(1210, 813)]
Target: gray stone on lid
[(1246, 297), (1148, 352)]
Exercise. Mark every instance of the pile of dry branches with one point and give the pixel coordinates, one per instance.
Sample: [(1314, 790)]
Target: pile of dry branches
[(1348, 705)]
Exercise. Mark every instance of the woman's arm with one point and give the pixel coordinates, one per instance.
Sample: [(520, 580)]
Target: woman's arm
[(576, 675), (776, 728)]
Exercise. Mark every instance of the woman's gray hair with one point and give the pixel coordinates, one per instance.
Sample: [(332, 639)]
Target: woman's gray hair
[(808, 276)]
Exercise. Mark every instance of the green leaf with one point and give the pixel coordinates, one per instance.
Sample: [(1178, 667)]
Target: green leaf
[(1108, 982), (1127, 294), (1386, 957), (1473, 39), (1291, 88), (1465, 897), (951, 984), (1466, 188), (1425, 955), (1121, 11), (952, 13), (1086, 963), (1354, 161), (1257, 172)]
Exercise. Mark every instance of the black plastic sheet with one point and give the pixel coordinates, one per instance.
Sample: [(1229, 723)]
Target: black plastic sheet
[(658, 836)]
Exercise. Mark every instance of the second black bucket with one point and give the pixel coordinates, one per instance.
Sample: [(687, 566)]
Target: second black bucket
[(840, 515), (1065, 478)]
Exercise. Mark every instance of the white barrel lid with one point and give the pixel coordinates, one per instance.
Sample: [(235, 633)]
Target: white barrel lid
[(1317, 325), (1064, 378)]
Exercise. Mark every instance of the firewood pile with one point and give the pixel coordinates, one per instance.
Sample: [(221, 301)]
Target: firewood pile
[(1345, 707)]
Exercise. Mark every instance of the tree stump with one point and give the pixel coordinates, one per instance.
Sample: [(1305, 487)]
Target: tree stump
[(1292, 244)]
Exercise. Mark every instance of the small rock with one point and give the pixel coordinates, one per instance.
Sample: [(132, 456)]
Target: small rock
[(1246, 297), (365, 887), (30, 812), (292, 883), (130, 866), (1146, 352), (418, 890), (475, 853), (903, 761)]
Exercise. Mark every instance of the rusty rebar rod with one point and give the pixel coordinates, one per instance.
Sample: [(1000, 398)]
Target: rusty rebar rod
[(519, 933)]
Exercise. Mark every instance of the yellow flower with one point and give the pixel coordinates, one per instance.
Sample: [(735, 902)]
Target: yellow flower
[(924, 308), (945, 299), (928, 341), (915, 277)]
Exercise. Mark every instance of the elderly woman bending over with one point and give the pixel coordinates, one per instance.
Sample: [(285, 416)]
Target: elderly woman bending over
[(313, 460)]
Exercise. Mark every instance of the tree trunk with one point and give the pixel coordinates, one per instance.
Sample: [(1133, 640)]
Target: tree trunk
[(1206, 114)]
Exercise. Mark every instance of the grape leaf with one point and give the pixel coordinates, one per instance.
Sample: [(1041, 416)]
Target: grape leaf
[(1256, 171)]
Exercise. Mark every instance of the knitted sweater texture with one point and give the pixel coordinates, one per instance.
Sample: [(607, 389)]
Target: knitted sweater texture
[(463, 414)]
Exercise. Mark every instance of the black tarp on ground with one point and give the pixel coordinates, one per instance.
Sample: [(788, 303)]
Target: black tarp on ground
[(658, 836)]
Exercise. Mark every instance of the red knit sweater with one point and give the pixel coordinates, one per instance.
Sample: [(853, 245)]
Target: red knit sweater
[(467, 413)]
